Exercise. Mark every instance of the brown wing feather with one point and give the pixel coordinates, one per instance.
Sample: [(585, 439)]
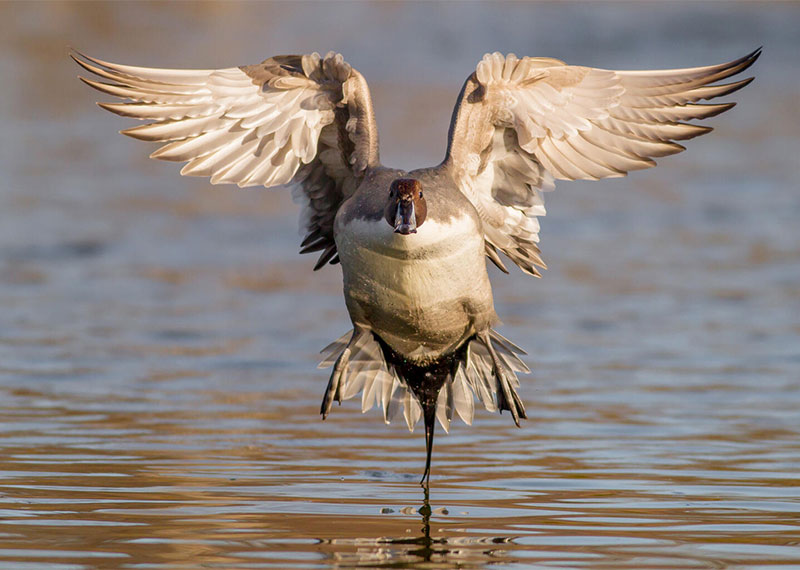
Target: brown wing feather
[(302, 120)]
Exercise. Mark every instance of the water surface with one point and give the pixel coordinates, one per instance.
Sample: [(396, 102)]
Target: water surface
[(158, 336)]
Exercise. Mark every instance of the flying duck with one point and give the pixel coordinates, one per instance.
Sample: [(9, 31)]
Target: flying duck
[(413, 244)]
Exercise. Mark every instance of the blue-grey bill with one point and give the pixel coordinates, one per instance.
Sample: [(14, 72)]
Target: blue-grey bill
[(405, 220)]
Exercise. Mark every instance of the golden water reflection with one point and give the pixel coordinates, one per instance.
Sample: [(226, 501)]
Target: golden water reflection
[(210, 479)]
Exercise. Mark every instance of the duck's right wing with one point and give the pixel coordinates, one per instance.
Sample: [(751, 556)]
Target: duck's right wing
[(520, 123), (305, 120)]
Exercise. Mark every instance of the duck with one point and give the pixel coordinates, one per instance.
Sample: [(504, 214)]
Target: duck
[(413, 246)]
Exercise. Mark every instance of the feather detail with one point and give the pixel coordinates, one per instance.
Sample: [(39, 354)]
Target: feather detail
[(486, 370), (259, 125), (520, 122)]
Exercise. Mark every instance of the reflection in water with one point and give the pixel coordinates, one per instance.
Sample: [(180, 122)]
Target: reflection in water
[(422, 547), (158, 392), (435, 552)]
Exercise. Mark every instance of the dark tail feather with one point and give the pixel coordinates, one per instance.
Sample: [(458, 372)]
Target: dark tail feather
[(429, 414), (425, 382)]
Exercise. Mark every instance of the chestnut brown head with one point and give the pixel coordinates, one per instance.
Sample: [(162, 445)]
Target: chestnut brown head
[(406, 208)]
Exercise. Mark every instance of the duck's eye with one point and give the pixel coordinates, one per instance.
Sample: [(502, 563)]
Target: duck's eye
[(420, 193)]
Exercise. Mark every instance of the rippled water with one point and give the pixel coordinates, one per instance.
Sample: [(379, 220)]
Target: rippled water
[(158, 337)]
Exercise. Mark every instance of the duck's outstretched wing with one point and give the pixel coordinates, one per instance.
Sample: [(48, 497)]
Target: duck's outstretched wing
[(520, 123), (300, 119)]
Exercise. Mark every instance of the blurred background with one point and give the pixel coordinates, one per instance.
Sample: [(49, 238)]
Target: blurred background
[(159, 336)]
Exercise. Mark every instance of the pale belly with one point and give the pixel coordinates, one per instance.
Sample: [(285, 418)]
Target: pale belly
[(423, 293)]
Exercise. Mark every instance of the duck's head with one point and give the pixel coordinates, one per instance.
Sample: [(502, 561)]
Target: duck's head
[(406, 208)]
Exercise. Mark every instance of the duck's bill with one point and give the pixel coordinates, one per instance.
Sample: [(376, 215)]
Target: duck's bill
[(405, 220)]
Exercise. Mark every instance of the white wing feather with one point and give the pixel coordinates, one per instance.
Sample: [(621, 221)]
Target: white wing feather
[(258, 125), (519, 123)]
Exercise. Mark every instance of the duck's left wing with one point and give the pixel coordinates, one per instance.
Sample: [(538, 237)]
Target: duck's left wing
[(300, 119), (520, 123)]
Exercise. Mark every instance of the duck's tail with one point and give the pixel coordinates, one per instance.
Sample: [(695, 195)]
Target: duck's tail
[(484, 367)]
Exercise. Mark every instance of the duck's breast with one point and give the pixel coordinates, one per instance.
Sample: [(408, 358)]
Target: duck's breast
[(424, 293)]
